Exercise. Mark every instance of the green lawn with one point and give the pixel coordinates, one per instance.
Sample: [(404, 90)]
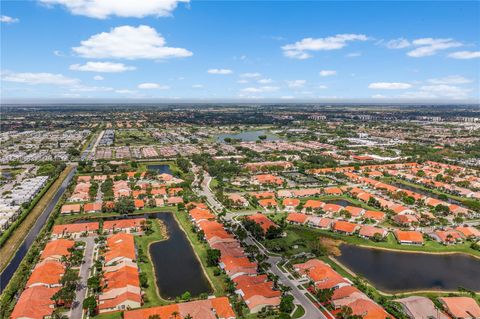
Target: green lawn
[(111, 315), (299, 312), (151, 297), (201, 250), (307, 238)]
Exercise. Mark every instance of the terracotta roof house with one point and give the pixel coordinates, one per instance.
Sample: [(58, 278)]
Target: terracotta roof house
[(257, 292), (268, 203), (284, 193), (355, 211), (120, 246), (345, 227), (159, 202), (371, 214), (56, 249), (321, 274), (400, 209), (461, 307), (230, 248), (238, 200), (297, 218), (409, 237), (263, 221), (92, 207), (290, 204), (34, 303), (70, 208), (74, 230), (333, 191), (332, 208), (158, 191), (368, 231), (320, 222), (47, 273), (124, 225), (260, 195), (468, 232), (447, 237), (267, 179), (218, 307), (313, 205), (306, 192), (405, 220), (235, 267), (175, 200), (139, 203), (200, 214)]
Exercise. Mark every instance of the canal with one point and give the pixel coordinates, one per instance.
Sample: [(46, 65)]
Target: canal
[(248, 136), (8, 272), (177, 268), (426, 193), (393, 272)]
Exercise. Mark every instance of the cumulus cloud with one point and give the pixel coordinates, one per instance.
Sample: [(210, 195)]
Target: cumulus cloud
[(98, 78), (300, 50), (220, 71), (7, 19), (197, 86), (389, 86), (106, 67), (399, 43), (262, 89), (439, 91), (465, 55), (296, 83), (102, 9), (250, 75), (128, 42), (265, 81), (451, 79), (431, 46), (327, 72), (38, 78), (153, 86)]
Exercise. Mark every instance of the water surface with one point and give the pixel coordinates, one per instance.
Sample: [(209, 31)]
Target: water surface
[(392, 271), (160, 168), (248, 136)]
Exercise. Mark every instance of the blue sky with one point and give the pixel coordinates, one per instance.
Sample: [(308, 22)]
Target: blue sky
[(239, 50)]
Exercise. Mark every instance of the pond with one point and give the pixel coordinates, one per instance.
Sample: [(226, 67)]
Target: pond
[(160, 168), (392, 271), (426, 193), (248, 136), (177, 268), (340, 202)]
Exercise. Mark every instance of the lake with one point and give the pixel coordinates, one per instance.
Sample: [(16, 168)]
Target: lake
[(392, 271), (160, 168), (340, 202), (248, 136), (176, 266)]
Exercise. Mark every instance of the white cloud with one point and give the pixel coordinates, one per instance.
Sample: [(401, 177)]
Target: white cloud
[(438, 91), (378, 96), (127, 42), (323, 87), (150, 86), (430, 46), (85, 88), (389, 86), (197, 86), (250, 75), (399, 43), (299, 50), (242, 81), (328, 72), (102, 9), (125, 91), (98, 78), (7, 19), (296, 83), (265, 81), (262, 89), (38, 78), (354, 54), (451, 79), (220, 71), (107, 67), (465, 55)]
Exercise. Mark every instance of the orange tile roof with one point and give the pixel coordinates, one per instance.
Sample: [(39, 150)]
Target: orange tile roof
[(123, 277), (468, 231), (332, 208), (120, 245), (409, 236), (74, 228), (297, 218), (267, 202), (117, 300), (374, 215), (200, 213), (291, 202), (311, 203), (344, 226), (56, 248), (90, 207), (354, 211), (263, 221), (123, 223), (370, 231), (139, 203), (48, 272), (461, 307), (174, 200), (333, 191), (35, 303), (70, 208)]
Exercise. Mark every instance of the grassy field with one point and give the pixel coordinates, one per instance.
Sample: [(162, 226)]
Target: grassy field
[(299, 312), (201, 250), (16, 238), (307, 238), (151, 297), (133, 137)]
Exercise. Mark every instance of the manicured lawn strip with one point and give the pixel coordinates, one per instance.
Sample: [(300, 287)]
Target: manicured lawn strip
[(16, 237), (143, 242), (299, 312), (111, 315), (201, 250)]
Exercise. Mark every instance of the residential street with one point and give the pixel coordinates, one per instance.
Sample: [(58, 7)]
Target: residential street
[(76, 311)]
